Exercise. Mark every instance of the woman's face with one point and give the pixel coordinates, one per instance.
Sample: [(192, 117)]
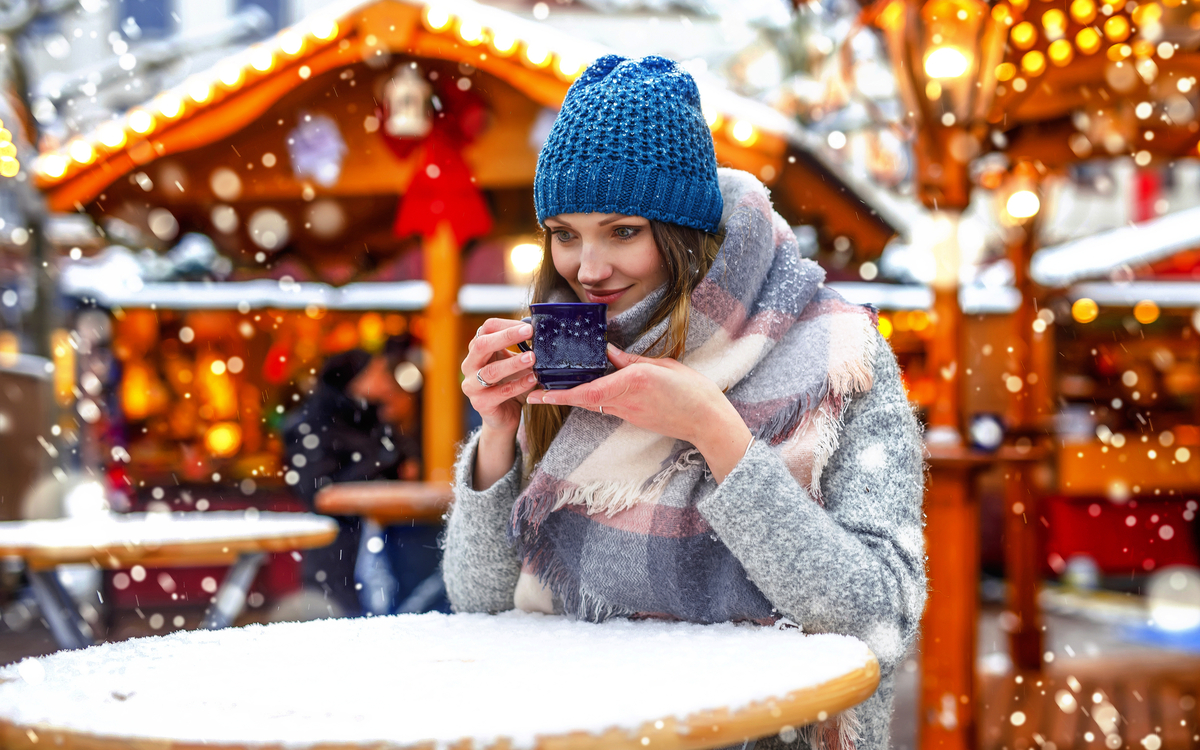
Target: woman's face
[(609, 258)]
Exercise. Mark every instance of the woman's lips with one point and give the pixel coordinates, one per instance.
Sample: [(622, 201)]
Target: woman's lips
[(604, 296)]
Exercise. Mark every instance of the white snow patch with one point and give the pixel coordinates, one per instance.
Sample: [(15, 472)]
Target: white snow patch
[(873, 457), (885, 640), (106, 530), (413, 678)]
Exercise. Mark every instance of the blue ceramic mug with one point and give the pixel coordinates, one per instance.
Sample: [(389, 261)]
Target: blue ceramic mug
[(569, 341)]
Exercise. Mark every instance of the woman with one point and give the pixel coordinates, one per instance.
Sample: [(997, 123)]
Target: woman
[(751, 456)]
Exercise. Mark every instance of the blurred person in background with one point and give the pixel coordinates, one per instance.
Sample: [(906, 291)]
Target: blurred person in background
[(359, 425)]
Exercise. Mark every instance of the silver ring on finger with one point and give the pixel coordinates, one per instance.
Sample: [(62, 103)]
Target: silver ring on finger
[(479, 377), (601, 409)]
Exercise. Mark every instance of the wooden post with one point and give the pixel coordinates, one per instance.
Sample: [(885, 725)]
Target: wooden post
[(947, 710), (443, 410), (1022, 529)]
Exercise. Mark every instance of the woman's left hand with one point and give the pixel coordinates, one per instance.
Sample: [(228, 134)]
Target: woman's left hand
[(666, 397)]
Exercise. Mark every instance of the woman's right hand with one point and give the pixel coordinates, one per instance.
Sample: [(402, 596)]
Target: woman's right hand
[(510, 374)]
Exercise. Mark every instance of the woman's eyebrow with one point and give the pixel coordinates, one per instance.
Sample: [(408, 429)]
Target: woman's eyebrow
[(618, 217), (560, 223)]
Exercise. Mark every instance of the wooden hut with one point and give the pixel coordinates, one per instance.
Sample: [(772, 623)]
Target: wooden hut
[(365, 173)]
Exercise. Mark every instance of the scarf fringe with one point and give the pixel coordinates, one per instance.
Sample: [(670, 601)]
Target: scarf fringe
[(841, 732)]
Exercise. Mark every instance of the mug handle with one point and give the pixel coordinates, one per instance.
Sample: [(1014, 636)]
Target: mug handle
[(524, 345)]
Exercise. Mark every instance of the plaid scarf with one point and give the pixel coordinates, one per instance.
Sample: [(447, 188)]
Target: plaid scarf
[(607, 519)]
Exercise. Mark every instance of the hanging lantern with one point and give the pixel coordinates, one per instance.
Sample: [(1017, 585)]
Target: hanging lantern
[(407, 95)]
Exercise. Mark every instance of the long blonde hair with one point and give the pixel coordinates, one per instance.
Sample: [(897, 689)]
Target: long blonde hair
[(687, 254)]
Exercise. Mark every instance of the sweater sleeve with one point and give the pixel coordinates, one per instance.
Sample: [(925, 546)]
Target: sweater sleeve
[(857, 565), (479, 566)]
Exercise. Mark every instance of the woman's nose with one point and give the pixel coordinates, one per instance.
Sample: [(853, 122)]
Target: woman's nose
[(594, 268)]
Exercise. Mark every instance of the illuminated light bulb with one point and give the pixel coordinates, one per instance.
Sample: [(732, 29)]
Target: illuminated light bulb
[(81, 151), (291, 43), (1005, 71), (470, 31), (140, 121), (743, 132), (231, 75), (503, 42), (1002, 14), (9, 166), (1061, 52), (7, 149), (1085, 310), (1088, 41), (170, 105), (199, 90), (946, 62), (1116, 29), (437, 18), (537, 56), (1024, 35), (1147, 14), (1054, 22), (324, 29), (1083, 11), (526, 257), (5, 135), (52, 165), (223, 439), (262, 59), (1023, 204), (569, 67), (1033, 63), (1146, 312)]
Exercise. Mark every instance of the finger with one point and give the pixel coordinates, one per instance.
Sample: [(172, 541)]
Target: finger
[(491, 325), (622, 359), (484, 346), (600, 392), (507, 367), (487, 399)]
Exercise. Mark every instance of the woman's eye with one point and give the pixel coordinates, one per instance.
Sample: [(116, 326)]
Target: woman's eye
[(626, 233), (562, 235)]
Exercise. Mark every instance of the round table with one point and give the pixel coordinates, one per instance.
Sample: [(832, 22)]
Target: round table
[(241, 539), (387, 502), (512, 680)]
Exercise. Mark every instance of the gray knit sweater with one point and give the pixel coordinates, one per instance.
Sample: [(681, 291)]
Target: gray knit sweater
[(855, 566)]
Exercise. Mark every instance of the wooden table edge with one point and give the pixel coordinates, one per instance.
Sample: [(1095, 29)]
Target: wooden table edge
[(167, 555), (705, 729)]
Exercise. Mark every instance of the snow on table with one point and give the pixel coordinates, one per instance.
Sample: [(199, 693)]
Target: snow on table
[(122, 533), (411, 678)]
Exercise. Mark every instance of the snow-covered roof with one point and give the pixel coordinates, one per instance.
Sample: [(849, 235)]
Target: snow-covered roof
[(513, 679), (1128, 294), (1100, 254), (973, 299), (114, 529)]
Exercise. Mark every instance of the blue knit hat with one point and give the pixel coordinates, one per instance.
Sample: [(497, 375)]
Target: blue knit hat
[(631, 139)]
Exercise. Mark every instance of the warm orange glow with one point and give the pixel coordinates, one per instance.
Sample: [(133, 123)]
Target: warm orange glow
[(370, 331), (885, 327), (1002, 14), (231, 74), (1147, 14), (9, 166), (1005, 71), (325, 29), (291, 43), (223, 439), (1083, 11), (1085, 310), (743, 132), (569, 67), (502, 42), (1116, 29), (538, 57), (1061, 52), (262, 59), (1087, 40), (63, 355), (81, 151), (1054, 22), (52, 165), (437, 18), (112, 134), (1033, 63), (1024, 35), (470, 31), (169, 105), (199, 90), (140, 121), (1146, 312)]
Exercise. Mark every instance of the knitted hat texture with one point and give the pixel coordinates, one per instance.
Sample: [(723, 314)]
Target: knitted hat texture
[(631, 139)]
